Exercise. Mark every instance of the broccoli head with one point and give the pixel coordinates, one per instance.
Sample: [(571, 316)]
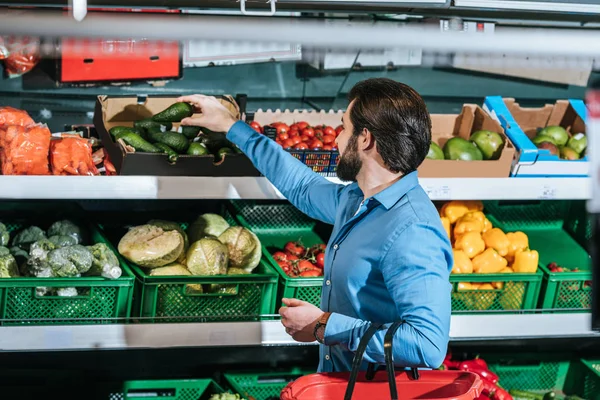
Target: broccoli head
[(4, 251), (8, 265), (27, 236), (67, 292), (37, 263), (66, 228), (63, 240), (105, 262), (70, 261), (4, 235)]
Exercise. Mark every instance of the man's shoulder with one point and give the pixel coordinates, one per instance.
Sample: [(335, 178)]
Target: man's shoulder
[(416, 207)]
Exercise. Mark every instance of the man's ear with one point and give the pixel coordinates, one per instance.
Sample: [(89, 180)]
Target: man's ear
[(366, 141)]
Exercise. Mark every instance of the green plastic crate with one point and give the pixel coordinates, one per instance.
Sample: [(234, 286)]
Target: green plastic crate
[(263, 386), (275, 224), (557, 230), (101, 300), (172, 299), (513, 292), (590, 379), (176, 389)]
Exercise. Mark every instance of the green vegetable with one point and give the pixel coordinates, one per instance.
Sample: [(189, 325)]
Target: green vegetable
[(207, 225), (244, 248), (27, 236), (4, 235), (37, 263), (214, 140), (104, 263), (171, 226), (117, 131), (146, 124), (171, 154), (67, 228), (190, 132), (139, 143), (66, 292), (550, 396), (174, 113), (197, 149), (63, 240), (207, 257), (20, 255), (174, 140), (221, 153), (70, 261), (150, 246), (226, 396), (8, 264)]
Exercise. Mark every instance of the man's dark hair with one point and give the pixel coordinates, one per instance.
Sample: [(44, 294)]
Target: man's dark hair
[(397, 117)]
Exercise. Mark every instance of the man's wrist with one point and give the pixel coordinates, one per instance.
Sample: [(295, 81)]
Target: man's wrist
[(319, 331)]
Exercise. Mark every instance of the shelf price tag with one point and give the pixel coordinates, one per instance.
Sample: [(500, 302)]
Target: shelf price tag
[(548, 193), (438, 192)]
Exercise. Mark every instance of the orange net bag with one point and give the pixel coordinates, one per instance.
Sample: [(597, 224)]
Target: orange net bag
[(13, 116), (24, 150), (72, 155)]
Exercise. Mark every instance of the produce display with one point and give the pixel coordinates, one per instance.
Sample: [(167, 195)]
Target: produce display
[(61, 251), (297, 261), (491, 389), (301, 135), (560, 143), (157, 135), (482, 145), (209, 247)]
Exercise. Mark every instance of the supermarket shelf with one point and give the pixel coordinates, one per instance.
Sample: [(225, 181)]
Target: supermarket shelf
[(151, 187), (271, 333)]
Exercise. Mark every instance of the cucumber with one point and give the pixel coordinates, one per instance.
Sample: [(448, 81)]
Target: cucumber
[(197, 149), (173, 156), (116, 130), (149, 123), (139, 143), (190, 132)]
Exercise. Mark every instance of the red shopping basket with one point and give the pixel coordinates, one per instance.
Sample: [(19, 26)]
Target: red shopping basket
[(371, 385)]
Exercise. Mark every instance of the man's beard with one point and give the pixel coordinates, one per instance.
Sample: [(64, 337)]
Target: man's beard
[(349, 164)]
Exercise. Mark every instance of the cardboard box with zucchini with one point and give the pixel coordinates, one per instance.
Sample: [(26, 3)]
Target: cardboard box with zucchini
[(144, 137)]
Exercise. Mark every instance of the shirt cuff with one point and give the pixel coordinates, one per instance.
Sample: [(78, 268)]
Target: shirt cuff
[(338, 329), (240, 133)]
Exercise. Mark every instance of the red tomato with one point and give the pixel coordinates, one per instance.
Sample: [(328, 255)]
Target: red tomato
[(304, 138), (318, 133), (284, 265), (256, 126), (302, 125), (316, 144), (320, 260), (328, 139), (327, 147), (305, 265), (329, 131), (287, 144), (294, 249), (280, 256), (310, 132), (296, 139), (313, 273), (294, 132), (283, 136), (291, 257), (294, 127), (301, 146), (282, 128), (339, 129), (317, 248)]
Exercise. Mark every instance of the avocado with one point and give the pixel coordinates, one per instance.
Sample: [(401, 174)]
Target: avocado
[(490, 143), (542, 139), (190, 132), (221, 153), (460, 149), (174, 113), (558, 133), (197, 149), (147, 123), (174, 140), (578, 142), (214, 141), (115, 130), (435, 152), (138, 143), (172, 154)]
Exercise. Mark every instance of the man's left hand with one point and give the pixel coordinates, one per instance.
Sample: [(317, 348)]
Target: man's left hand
[(299, 319)]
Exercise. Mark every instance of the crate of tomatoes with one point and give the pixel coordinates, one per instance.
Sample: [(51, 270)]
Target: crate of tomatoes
[(308, 135)]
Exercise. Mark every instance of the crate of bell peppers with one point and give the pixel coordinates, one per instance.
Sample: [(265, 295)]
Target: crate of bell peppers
[(494, 269), (560, 232), (491, 388)]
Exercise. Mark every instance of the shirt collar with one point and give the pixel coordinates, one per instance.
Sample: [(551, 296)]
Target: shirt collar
[(390, 196)]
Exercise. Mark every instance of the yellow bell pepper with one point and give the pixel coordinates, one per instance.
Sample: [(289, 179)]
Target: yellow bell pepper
[(507, 270), (474, 205), (464, 286), (470, 222), (518, 241), (486, 286), (526, 261), (471, 243), (487, 225), (462, 263), (453, 210), (446, 224), (498, 285), (497, 240), (489, 262)]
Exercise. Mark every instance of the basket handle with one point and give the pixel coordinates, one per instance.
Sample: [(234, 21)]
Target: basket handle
[(388, 345), (358, 357)]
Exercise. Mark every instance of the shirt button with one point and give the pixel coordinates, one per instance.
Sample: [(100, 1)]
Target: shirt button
[(328, 282), (327, 357), (335, 246)]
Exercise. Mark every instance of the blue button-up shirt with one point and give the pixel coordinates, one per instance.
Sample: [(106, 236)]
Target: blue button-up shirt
[(388, 259)]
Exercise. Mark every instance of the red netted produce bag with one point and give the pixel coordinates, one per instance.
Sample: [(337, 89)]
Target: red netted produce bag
[(3, 49), (72, 155), (23, 54), (14, 116), (24, 150)]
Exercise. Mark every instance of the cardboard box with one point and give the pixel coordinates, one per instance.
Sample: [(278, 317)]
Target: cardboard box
[(325, 161), (471, 119), (521, 125), (113, 111)]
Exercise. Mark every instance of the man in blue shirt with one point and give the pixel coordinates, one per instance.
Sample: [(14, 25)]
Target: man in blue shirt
[(389, 257)]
